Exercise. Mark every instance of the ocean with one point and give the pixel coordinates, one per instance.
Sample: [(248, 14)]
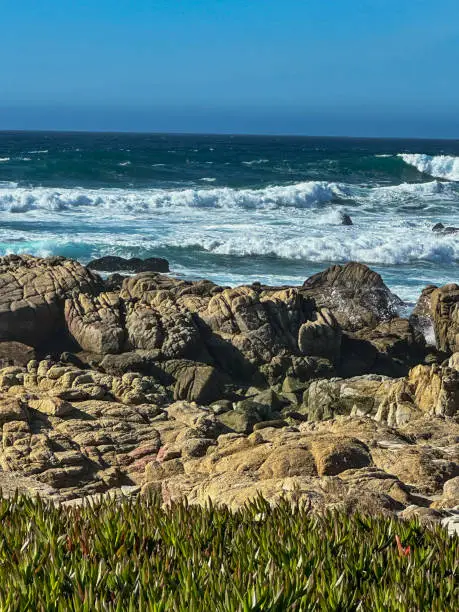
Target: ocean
[(235, 209)]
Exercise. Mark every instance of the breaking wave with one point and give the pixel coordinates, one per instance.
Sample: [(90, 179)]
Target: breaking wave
[(441, 166), (370, 246), (301, 195), (306, 195)]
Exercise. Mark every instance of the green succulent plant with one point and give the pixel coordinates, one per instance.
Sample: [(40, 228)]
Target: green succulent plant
[(134, 555)]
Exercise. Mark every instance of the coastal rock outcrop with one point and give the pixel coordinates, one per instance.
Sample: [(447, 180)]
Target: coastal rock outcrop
[(190, 389)]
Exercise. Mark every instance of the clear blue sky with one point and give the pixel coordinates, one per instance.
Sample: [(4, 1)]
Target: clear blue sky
[(345, 67)]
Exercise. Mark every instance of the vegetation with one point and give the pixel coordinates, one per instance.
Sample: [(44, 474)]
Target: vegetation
[(132, 555)]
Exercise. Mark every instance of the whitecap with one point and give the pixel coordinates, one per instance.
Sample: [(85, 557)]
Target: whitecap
[(255, 162), (119, 201), (441, 166)]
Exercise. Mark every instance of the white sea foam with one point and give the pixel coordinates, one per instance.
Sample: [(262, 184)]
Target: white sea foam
[(4, 159), (300, 195), (419, 190), (306, 195), (393, 248), (441, 166), (208, 179), (255, 162), (7, 184)]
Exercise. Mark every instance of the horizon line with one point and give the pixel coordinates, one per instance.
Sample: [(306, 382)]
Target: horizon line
[(229, 134)]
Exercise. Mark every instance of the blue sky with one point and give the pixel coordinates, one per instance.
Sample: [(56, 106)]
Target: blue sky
[(344, 67)]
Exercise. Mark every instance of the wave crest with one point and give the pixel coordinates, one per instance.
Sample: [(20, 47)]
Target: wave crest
[(300, 195), (441, 166)]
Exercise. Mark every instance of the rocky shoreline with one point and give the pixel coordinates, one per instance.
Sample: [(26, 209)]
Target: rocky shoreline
[(321, 393)]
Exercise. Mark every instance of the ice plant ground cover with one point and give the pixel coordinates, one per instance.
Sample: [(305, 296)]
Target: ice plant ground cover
[(134, 555)]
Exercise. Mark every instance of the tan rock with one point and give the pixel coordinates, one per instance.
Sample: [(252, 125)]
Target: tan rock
[(32, 292)]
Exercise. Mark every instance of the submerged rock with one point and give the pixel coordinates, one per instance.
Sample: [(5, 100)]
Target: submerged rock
[(346, 219), (112, 263), (441, 229)]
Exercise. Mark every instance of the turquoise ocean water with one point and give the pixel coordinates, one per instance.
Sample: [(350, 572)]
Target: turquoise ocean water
[(235, 209)]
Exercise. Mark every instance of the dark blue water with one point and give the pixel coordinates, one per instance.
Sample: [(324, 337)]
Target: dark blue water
[(235, 209)]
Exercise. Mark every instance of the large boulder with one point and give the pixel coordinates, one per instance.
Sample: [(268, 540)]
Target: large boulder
[(32, 295), (356, 295), (95, 322)]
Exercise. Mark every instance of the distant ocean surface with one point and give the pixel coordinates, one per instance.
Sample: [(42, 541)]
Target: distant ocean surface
[(235, 209)]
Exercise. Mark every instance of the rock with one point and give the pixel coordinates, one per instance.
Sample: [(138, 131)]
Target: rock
[(52, 406), (362, 395), (346, 219), (197, 447), (111, 263), (451, 523), (32, 295), (454, 361), (441, 229), (321, 337), (95, 322), (15, 353), (445, 315), (12, 409), (399, 346), (451, 489), (424, 515), (114, 282), (356, 295), (239, 421), (133, 361), (196, 382), (277, 423), (337, 454), (421, 317), (425, 468)]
